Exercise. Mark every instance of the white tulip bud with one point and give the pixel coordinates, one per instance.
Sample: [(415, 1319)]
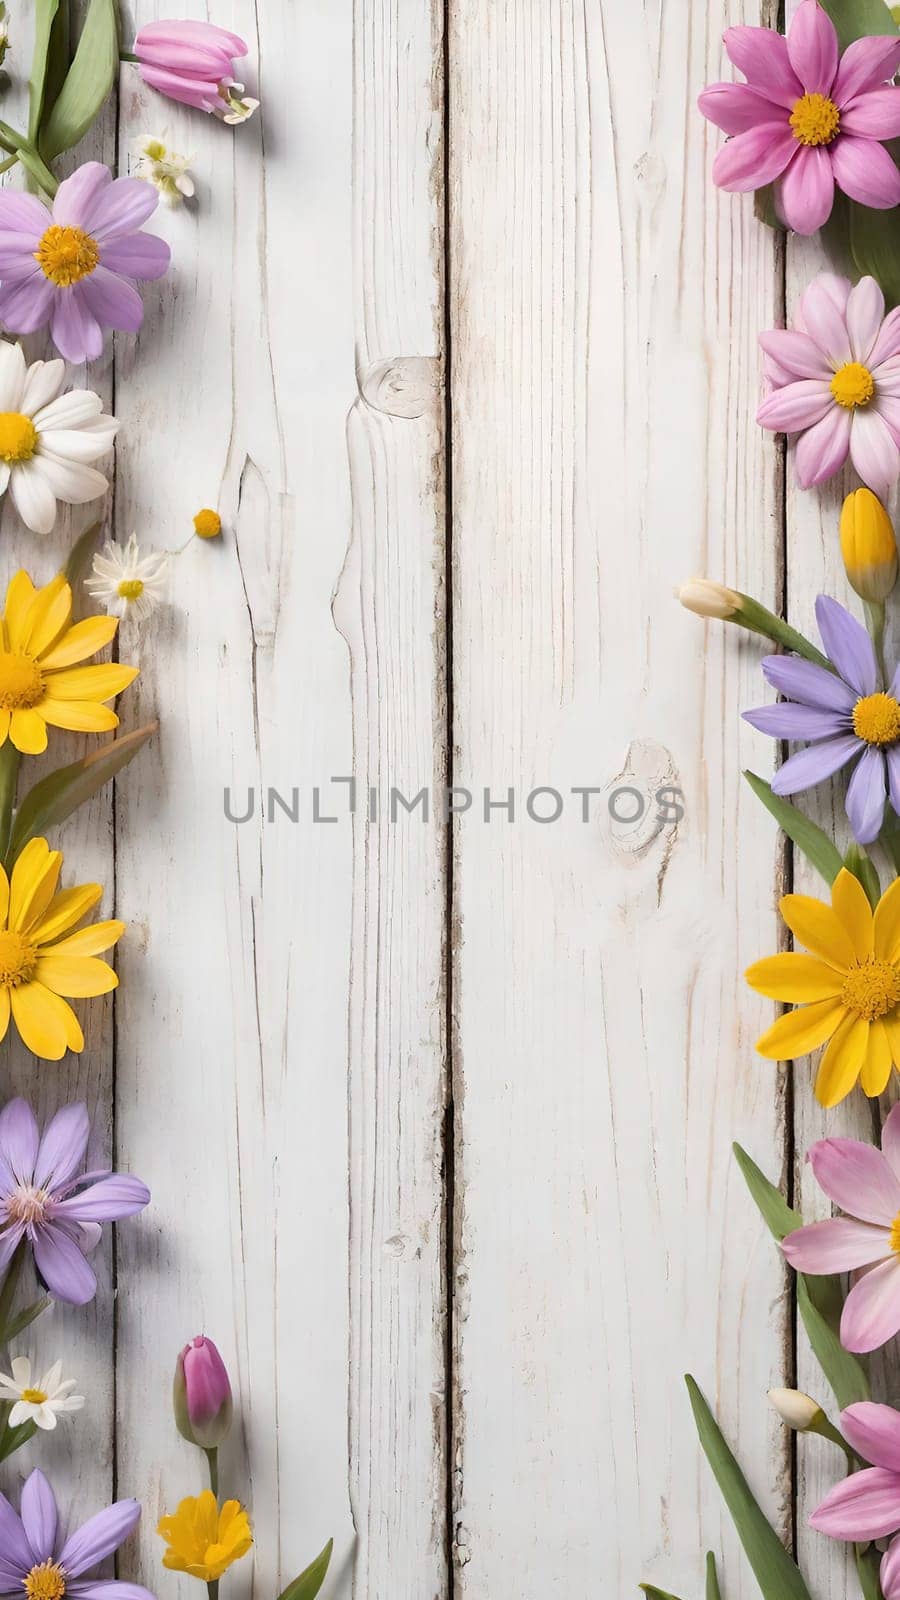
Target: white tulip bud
[(798, 1410), (708, 599)]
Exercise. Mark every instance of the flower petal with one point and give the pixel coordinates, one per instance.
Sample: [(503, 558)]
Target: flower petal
[(806, 195), (47, 1025), (842, 1061), (108, 1200), (871, 1314), (865, 314), (61, 1264), (838, 1245), (75, 977), (79, 642), (821, 451), (140, 255), (19, 1139), (796, 405), (865, 64), (16, 1554), (890, 1138), (63, 1146), (753, 159), (74, 328), (813, 47), (77, 196), (825, 320), (121, 209), (804, 681), (859, 1179), (851, 906), (736, 107), (874, 452), (796, 352), (873, 115), (33, 496), (873, 1431), (816, 926), (864, 1506), (865, 172), (847, 645), (866, 796), (99, 1537), (761, 54), (889, 1572), (795, 978), (811, 766), (790, 721), (113, 300), (875, 1072), (798, 1032), (39, 1515)]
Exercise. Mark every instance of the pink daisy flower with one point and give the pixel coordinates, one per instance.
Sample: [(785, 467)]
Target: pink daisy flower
[(865, 1183), (73, 267), (836, 378), (808, 117)]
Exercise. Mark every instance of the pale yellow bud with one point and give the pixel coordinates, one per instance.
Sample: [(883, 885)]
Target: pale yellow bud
[(708, 599), (798, 1410), (868, 546)]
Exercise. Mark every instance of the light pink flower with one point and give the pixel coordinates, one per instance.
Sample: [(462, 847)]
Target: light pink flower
[(808, 118), (835, 380), (865, 1183), (890, 1571), (194, 62), (867, 1504)]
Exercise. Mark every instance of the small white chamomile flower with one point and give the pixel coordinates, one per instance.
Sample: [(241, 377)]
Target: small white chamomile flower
[(126, 582), (165, 169), (41, 1403)]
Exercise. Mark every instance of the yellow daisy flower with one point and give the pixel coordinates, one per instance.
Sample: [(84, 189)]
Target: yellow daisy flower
[(41, 679), (204, 1541), (846, 990), (42, 958)]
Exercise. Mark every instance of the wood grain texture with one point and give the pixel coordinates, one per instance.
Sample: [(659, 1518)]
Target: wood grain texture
[(605, 302), (280, 1049)]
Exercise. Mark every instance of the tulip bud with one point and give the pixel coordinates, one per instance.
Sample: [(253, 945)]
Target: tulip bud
[(202, 1395), (798, 1410), (868, 546), (708, 599)]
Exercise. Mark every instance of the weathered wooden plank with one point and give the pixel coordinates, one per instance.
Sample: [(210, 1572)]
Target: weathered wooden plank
[(280, 1036), (605, 303)]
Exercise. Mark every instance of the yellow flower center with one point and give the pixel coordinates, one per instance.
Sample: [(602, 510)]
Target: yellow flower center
[(34, 1397), (17, 959), (27, 1204), (46, 1582), (853, 385), (871, 989), (876, 718), (131, 588), (207, 524), (895, 1234), (815, 119), (66, 255), (21, 682), (18, 437)]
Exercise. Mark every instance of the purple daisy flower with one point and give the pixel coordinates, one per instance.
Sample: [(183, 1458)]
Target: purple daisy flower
[(73, 266), (844, 714), (44, 1200), (36, 1557)]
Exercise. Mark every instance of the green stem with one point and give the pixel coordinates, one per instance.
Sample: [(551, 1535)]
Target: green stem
[(8, 1292), (9, 782), (874, 610), (127, 55), (212, 1457), (759, 619), (9, 162), (38, 168)]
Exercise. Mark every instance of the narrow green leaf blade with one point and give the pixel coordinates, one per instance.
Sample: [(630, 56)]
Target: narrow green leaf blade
[(656, 1594), (54, 799), (80, 554), (875, 247), (88, 81), (45, 15), (15, 1438), (713, 1592), (820, 1300), (854, 18), (868, 1561), (865, 871), (819, 850), (308, 1584), (776, 1573), (26, 1317)]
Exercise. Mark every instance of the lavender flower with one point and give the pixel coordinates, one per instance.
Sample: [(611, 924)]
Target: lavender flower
[(42, 1200), (35, 1558), (844, 714)]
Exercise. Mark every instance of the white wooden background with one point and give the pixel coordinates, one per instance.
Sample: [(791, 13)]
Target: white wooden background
[(462, 342)]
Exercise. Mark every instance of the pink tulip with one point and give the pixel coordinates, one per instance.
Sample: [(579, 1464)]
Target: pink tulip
[(867, 1504), (194, 62), (202, 1395)]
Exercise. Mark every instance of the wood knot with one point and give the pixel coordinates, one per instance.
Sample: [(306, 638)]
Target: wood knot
[(404, 386)]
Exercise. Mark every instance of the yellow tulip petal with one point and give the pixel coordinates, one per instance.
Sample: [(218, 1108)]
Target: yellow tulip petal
[(819, 929), (19, 595), (887, 924), (65, 910), (851, 903), (794, 977), (100, 682), (79, 642), (48, 615), (842, 1062), (28, 732), (800, 1031), (79, 716), (42, 1019), (876, 1068), (75, 977), (33, 883)]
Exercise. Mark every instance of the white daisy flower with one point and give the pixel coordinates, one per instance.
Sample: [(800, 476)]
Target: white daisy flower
[(40, 1403), (48, 438), (126, 582), (165, 169)]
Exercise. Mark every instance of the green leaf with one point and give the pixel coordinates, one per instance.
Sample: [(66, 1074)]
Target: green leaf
[(50, 61), (307, 1586), (820, 1300), (656, 1594), (54, 799), (875, 247), (14, 1439), (764, 208), (868, 1561), (81, 550), (88, 81), (854, 18), (26, 1317), (713, 1592), (865, 871), (819, 850), (776, 1573)]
